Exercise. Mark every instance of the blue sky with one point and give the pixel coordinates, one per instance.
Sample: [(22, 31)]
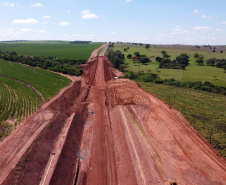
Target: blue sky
[(146, 21)]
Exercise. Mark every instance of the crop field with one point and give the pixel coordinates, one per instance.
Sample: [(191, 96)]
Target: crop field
[(59, 49), (48, 86), (193, 72), (19, 100), (205, 110)]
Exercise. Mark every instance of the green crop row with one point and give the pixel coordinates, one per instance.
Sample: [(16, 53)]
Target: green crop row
[(48, 86), (17, 102), (48, 73)]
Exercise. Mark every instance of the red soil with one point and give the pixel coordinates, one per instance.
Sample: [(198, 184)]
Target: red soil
[(107, 131)]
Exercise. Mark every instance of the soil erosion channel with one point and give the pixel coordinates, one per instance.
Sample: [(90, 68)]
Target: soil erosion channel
[(101, 130)]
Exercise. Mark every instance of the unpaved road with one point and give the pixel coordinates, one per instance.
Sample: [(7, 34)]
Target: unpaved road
[(101, 130)]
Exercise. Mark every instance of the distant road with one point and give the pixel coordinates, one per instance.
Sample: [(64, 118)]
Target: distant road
[(103, 51)]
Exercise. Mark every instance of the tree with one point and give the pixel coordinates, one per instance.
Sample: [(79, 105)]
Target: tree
[(129, 56), (199, 61), (158, 59), (147, 46), (164, 54), (144, 60), (196, 55), (137, 54), (183, 59)]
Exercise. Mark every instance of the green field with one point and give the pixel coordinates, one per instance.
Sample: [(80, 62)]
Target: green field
[(18, 101), (193, 72), (47, 85), (206, 111), (59, 49)]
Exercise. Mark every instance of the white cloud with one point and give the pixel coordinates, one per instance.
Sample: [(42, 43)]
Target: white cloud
[(113, 33), (10, 4), (224, 22), (63, 23), (206, 17), (196, 12), (46, 17), (87, 14), (25, 29), (128, 1), (69, 11), (36, 5), (42, 31), (25, 21), (202, 28)]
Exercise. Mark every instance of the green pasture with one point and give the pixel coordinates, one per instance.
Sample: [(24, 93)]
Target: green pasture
[(59, 49), (206, 111), (193, 72)]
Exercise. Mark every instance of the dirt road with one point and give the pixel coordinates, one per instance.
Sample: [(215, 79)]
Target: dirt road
[(102, 130)]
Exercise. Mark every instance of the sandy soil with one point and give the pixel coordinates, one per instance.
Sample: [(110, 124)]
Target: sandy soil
[(103, 130)]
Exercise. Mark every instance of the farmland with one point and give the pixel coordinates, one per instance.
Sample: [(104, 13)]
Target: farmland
[(58, 49), (22, 90), (47, 85), (193, 72), (17, 103)]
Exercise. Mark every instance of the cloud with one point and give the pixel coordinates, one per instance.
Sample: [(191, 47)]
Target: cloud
[(63, 23), (206, 17), (25, 21), (46, 17), (10, 4), (36, 5), (87, 14), (224, 22), (128, 1), (202, 28), (69, 11), (42, 31), (25, 29), (196, 12)]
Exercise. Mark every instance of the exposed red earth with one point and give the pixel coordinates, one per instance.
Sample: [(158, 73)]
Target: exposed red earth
[(101, 130)]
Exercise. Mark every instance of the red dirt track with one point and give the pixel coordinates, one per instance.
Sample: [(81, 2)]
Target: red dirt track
[(100, 130)]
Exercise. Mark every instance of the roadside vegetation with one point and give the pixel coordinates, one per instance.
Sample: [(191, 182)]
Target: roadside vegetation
[(64, 65), (197, 88)]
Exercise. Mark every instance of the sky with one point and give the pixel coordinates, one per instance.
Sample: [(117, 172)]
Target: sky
[(194, 22)]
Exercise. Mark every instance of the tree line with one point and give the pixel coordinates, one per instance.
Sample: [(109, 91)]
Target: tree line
[(152, 77), (64, 65)]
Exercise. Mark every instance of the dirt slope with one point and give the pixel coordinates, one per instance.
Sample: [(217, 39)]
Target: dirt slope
[(102, 130), (149, 143)]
